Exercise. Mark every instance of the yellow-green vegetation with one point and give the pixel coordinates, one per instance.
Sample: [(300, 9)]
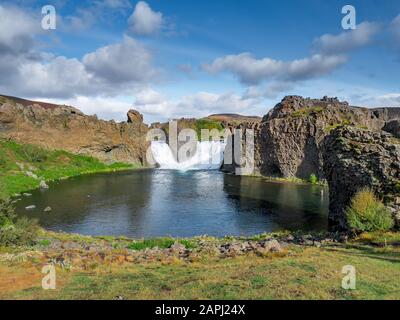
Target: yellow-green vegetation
[(295, 180), (313, 179), (207, 124), (379, 238), (397, 187), (367, 213), (298, 273), (15, 231), (161, 243), (333, 126), (23, 166), (306, 111)]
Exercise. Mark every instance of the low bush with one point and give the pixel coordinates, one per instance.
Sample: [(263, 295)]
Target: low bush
[(32, 153), (15, 231), (161, 243), (366, 213), (313, 179)]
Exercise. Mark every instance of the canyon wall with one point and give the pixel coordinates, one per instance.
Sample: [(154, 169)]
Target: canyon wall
[(289, 138), (356, 158), (65, 127)]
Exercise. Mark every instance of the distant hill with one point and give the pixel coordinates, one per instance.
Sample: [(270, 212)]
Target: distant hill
[(27, 103), (232, 117)]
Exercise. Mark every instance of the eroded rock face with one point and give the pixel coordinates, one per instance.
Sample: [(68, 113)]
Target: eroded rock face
[(393, 127), (289, 139), (64, 127), (356, 158), (134, 116)]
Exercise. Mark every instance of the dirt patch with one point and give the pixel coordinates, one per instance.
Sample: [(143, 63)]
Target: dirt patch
[(13, 279)]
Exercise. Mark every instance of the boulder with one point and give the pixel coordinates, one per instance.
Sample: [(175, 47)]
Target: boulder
[(289, 140), (178, 248), (356, 158), (31, 175), (393, 127), (134, 116), (43, 185)]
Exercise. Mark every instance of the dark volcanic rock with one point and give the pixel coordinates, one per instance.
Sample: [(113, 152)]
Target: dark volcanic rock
[(356, 158), (134, 116), (393, 127), (288, 141)]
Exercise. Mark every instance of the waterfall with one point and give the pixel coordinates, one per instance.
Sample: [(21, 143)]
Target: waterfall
[(209, 155)]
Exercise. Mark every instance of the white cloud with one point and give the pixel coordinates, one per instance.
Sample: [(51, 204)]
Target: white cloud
[(253, 71), (384, 100), (115, 69), (99, 11), (126, 61), (149, 97), (347, 40), (111, 70), (271, 91), (17, 29), (104, 107), (58, 77), (145, 21), (331, 52), (199, 104), (116, 4), (83, 19), (395, 26)]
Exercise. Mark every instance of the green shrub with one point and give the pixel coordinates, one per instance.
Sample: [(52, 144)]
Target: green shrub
[(32, 153), (13, 230), (313, 179), (151, 243), (207, 124), (367, 213), (7, 213), (161, 243)]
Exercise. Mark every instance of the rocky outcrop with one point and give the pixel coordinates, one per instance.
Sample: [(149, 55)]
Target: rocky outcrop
[(134, 116), (355, 158), (65, 127), (289, 138), (393, 127)]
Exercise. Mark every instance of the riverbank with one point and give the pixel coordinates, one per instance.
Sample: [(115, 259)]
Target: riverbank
[(23, 167), (268, 266)]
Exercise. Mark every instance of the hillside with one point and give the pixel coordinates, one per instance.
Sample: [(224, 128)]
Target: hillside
[(23, 167), (64, 127)]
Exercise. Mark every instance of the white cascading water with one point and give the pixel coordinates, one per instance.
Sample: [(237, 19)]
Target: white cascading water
[(209, 156)]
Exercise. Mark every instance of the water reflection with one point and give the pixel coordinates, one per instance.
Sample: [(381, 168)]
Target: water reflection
[(152, 203)]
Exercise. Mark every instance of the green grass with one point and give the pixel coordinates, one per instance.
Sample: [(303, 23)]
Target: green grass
[(379, 238), (332, 127), (297, 273), (45, 164), (161, 243), (304, 273), (306, 111), (207, 124)]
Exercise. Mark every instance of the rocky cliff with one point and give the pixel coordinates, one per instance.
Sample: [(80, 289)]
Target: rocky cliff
[(65, 127), (289, 138), (355, 158)]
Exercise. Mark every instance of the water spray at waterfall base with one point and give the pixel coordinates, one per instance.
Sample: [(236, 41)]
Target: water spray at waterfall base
[(209, 155), (184, 152)]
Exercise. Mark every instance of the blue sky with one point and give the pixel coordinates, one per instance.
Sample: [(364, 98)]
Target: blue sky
[(174, 58)]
